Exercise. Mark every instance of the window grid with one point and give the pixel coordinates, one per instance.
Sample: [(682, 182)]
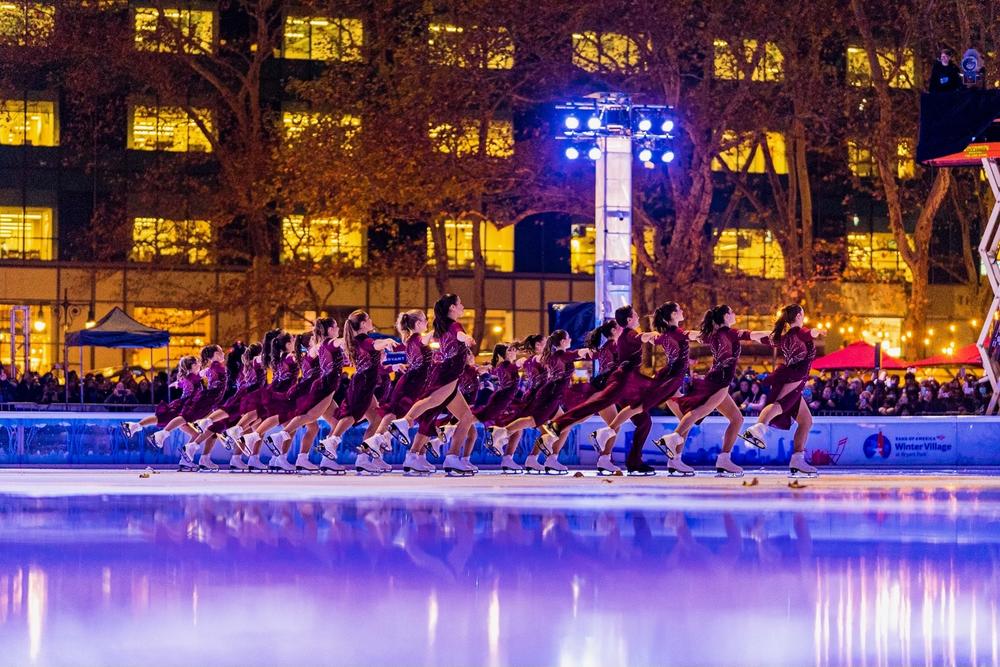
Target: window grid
[(323, 38)]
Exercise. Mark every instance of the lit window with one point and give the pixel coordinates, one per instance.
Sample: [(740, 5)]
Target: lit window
[(320, 38), (770, 66), (26, 23), (297, 122), (897, 67), (490, 48), (906, 167), (190, 330), (498, 245), (43, 348), (31, 122), (160, 239), (153, 128), (583, 248), (318, 239), (499, 328), (173, 29), (464, 140), (876, 252), (862, 163), (752, 252), (26, 233), (736, 156), (605, 52)]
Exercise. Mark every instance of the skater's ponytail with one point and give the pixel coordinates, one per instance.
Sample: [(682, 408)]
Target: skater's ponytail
[(530, 343), (442, 319), (352, 329), (208, 352), (623, 315), (278, 345), (406, 322), (322, 328), (602, 333), (266, 346), (302, 343), (250, 353), (552, 344), (785, 319), (186, 365), (499, 354), (662, 315), (714, 318)]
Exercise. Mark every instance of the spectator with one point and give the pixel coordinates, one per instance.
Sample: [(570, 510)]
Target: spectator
[(945, 75), (121, 395)]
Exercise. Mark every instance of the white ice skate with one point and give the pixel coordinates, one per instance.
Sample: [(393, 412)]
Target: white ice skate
[(510, 467), (552, 465), (605, 466), (274, 441), (157, 439), (130, 429), (603, 436), (669, 444), (303, 464), (455, 466), (413, 465), (186, 463), (236, 464), (468, 461), (676, 466), (203, 425), (724, 466), (400, 430), (329, 466), (328, 446), (365, 465), (231, 438), (381, 464), (545, 442), (799, 467), (254, 464), (280, 463), (531, 465), (206, 464), (248, 441), (435, 445), (371, 447), (754, 436)]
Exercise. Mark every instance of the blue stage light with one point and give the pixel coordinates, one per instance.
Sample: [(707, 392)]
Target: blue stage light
[(572, 122), (668, 156), (594, 153), (645, 124), (594, 123), (572, 153), (645, 155), (668, 126)]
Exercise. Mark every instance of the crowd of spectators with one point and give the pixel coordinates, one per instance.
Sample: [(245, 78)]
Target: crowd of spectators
[(124, 389), (847, 393)]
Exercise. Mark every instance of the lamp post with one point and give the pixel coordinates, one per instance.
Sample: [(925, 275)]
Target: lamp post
[(612, 131)]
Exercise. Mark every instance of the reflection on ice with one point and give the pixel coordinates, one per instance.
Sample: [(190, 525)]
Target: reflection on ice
[(199, 580)]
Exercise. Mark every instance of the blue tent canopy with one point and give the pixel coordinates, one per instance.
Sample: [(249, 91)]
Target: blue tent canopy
[(117, 329)]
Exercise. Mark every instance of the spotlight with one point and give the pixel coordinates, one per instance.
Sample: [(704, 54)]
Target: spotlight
[(594, 123), (645, 124), (572, 122), (645, 155), (39, 326), (594, 153), (572, 153), (668, 126), (668, 156)]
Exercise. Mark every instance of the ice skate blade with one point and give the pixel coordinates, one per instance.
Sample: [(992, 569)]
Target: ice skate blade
[(397, 434), (151, 441), (540, 443), (413, 472), (228, 444), (202, 468), (271, 446), (752, 440), (255, 469), (680, 473), (237, 470), (604, 472), (331, 471), (642, 473), (512, 471), (455, 472), (719, 472), (125, 430), (373, 452), (662, 446), (187, 468), (795, 472), (555, 471), (306, 470), (363, 471), (532, 471)]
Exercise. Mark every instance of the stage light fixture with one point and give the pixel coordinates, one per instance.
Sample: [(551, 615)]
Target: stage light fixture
[(572, 122), (645, 155), (594, 153), (668, 156), (594, 123), (645, 125), (572, 153), (668, 126)]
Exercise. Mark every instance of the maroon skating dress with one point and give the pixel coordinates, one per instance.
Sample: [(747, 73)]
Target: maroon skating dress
[(506, 388), (532, 378), (254, 399), (450, 359), (726, 349), (273, 395), (578, 392), (250, 378), (410, 386), (299, 400), (331, 368), (361, 388), (166, 412), (626, 385), (798, 349), (468, 386), (668, 380), (209, 395), (558, 375)]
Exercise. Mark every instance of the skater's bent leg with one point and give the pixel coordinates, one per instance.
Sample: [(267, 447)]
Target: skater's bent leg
[(804, 422), (730, 411)]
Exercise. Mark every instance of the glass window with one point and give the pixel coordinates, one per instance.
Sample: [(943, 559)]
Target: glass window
[(498, 245), (42, 351), (171, 29), (26, 23), (876, 252), (737, 155), (605, 52), (190, 330), (161, 239), (859, 159), (316, 239), (897, 66), (752, 252), (906, 166), (770, 67), (490, 48), (463, 140), (26, 232), (166, 128), (296, 122), (321, 38), (498, 328), (32, 122), (583, 248)]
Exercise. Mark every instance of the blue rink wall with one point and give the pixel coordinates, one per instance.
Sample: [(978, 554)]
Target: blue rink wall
[(55, 438)]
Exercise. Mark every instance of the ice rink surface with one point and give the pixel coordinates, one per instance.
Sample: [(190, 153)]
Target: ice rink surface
[(113, 567)]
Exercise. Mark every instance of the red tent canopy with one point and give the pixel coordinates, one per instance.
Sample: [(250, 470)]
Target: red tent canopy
[(856, 355), (964, 356)]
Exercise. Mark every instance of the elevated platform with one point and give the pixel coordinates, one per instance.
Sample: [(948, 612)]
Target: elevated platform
[(959, 129)]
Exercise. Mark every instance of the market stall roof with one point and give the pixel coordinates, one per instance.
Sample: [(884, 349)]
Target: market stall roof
[(856, 355), (963, 356), (117, 329)]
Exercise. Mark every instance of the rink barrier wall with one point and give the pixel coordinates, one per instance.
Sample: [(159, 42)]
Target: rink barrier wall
[(72, 438)]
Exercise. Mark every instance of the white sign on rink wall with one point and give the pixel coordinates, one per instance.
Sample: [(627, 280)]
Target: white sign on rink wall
[(837, 441)]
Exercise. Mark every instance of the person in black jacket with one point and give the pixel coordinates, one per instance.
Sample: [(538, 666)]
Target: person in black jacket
[(945, 75)]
